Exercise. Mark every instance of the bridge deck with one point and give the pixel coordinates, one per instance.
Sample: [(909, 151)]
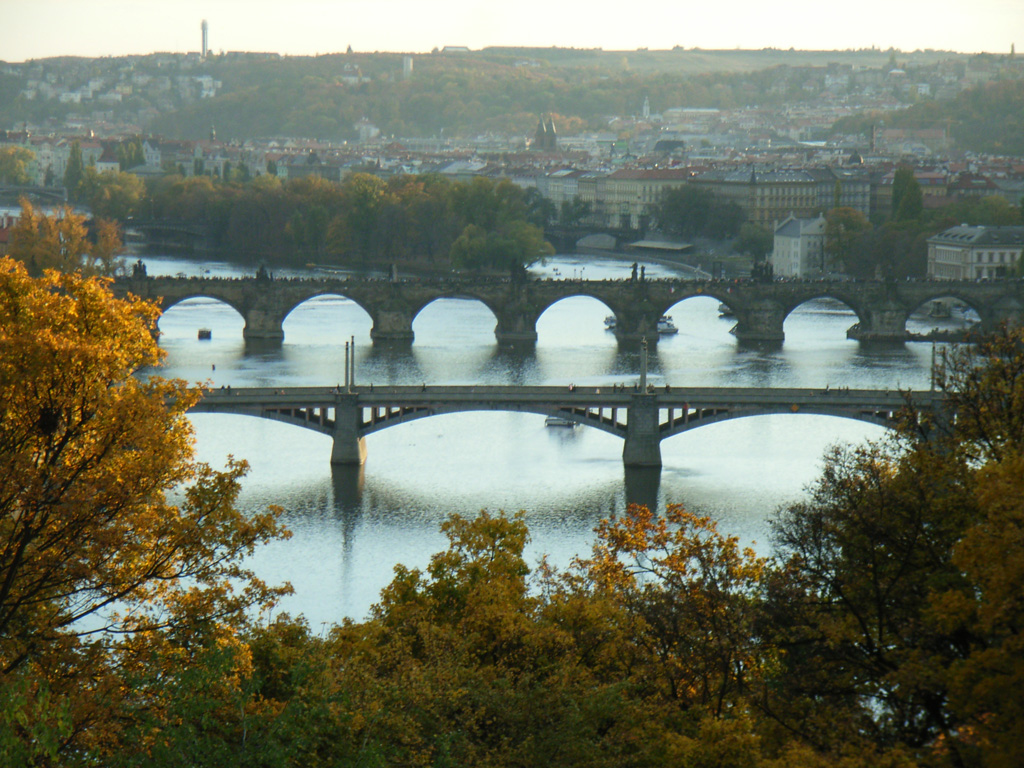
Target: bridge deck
[(561, 396)]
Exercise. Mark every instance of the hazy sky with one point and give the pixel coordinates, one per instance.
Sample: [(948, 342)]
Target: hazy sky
[(40, 28)]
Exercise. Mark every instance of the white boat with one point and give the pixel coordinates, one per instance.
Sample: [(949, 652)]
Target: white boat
[(665, 325), (610, 322), (724, 310), (558, 421)]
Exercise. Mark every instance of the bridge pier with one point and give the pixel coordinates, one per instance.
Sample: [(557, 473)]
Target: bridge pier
[(263, 325), (349, 446), (516, 328), (392, 325), (759, 323), (643, 436), (883, 322)]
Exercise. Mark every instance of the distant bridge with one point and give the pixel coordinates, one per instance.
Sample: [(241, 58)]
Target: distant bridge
[(882, 308), (642, 419), (53, 194), (185, 235)]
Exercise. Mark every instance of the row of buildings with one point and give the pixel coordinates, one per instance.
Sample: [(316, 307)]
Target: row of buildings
[(959, 253)]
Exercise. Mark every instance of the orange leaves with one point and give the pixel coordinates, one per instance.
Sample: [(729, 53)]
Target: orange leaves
[(88, 538)]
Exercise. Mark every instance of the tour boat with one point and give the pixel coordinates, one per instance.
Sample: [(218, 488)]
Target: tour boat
[(558, 421), (665, 325), (610, 322), (205, 334)]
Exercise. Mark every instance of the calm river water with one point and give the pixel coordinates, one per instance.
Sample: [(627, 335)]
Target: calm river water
[(350, 527)]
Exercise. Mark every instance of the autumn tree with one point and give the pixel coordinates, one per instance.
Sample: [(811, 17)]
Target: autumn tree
[(112, 194), (14, 165), (897, 624), (111, 535), (42, 241)]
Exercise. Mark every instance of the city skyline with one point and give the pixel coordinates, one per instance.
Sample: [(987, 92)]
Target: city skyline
[(48, 28)]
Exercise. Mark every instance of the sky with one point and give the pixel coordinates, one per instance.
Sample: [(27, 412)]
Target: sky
[(32, 29)]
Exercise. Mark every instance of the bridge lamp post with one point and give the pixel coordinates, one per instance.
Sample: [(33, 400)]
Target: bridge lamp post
[(643, 364), (348, 387)]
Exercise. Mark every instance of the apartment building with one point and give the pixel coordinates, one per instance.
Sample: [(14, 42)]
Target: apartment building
[(975, 253)]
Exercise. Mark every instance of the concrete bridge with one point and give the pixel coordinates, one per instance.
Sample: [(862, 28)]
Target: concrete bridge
[(642, 418), (882, 308)]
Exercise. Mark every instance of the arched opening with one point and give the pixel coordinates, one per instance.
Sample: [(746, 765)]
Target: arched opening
[(702, 345), (203, 340), (817, 321), (454, 322), (739, 471), (943, 318), (574, 343), (454, 341), (315, 333), (327, 319)]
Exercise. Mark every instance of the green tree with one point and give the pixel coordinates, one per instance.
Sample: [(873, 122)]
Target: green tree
[(755, 241), (75, 170), (907, 201), (574, 212), (844, 230)]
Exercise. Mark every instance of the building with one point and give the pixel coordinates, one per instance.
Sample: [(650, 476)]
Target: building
[(206, 39), (545, 139), (628, 198), (766, 196), (975, 253), (799, 247)]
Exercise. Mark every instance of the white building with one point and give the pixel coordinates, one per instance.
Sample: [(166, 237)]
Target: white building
[(799, 248), (975, 253)]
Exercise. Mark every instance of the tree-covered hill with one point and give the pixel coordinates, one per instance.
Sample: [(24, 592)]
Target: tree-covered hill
[(493, 90), (988, 119), (465, 93)]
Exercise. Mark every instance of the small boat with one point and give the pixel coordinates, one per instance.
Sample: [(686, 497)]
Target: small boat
[(610, 322), (665, 325), (558, 421), (724, 310), (205, 334)]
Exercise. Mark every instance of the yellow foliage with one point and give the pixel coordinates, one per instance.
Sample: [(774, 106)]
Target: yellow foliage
[(88, 538)]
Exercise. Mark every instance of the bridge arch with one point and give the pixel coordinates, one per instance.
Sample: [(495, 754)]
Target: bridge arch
[(185, 316), (168, 302), (878, 418), (583, 315), (839, 310), (465, 316), (842, 297), (579, 416), (945, 312), (321, 294)]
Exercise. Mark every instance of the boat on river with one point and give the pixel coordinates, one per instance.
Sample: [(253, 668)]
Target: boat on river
[(559, 421), (610, 322), (665, 325)]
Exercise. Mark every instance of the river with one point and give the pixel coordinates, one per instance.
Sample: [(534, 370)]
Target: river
[(350, 527)]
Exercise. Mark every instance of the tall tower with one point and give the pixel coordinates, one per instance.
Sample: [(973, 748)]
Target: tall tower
[(206, 31)]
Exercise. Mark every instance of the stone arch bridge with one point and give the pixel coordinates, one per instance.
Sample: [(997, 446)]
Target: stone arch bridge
[(882, 308), (642, 419)]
